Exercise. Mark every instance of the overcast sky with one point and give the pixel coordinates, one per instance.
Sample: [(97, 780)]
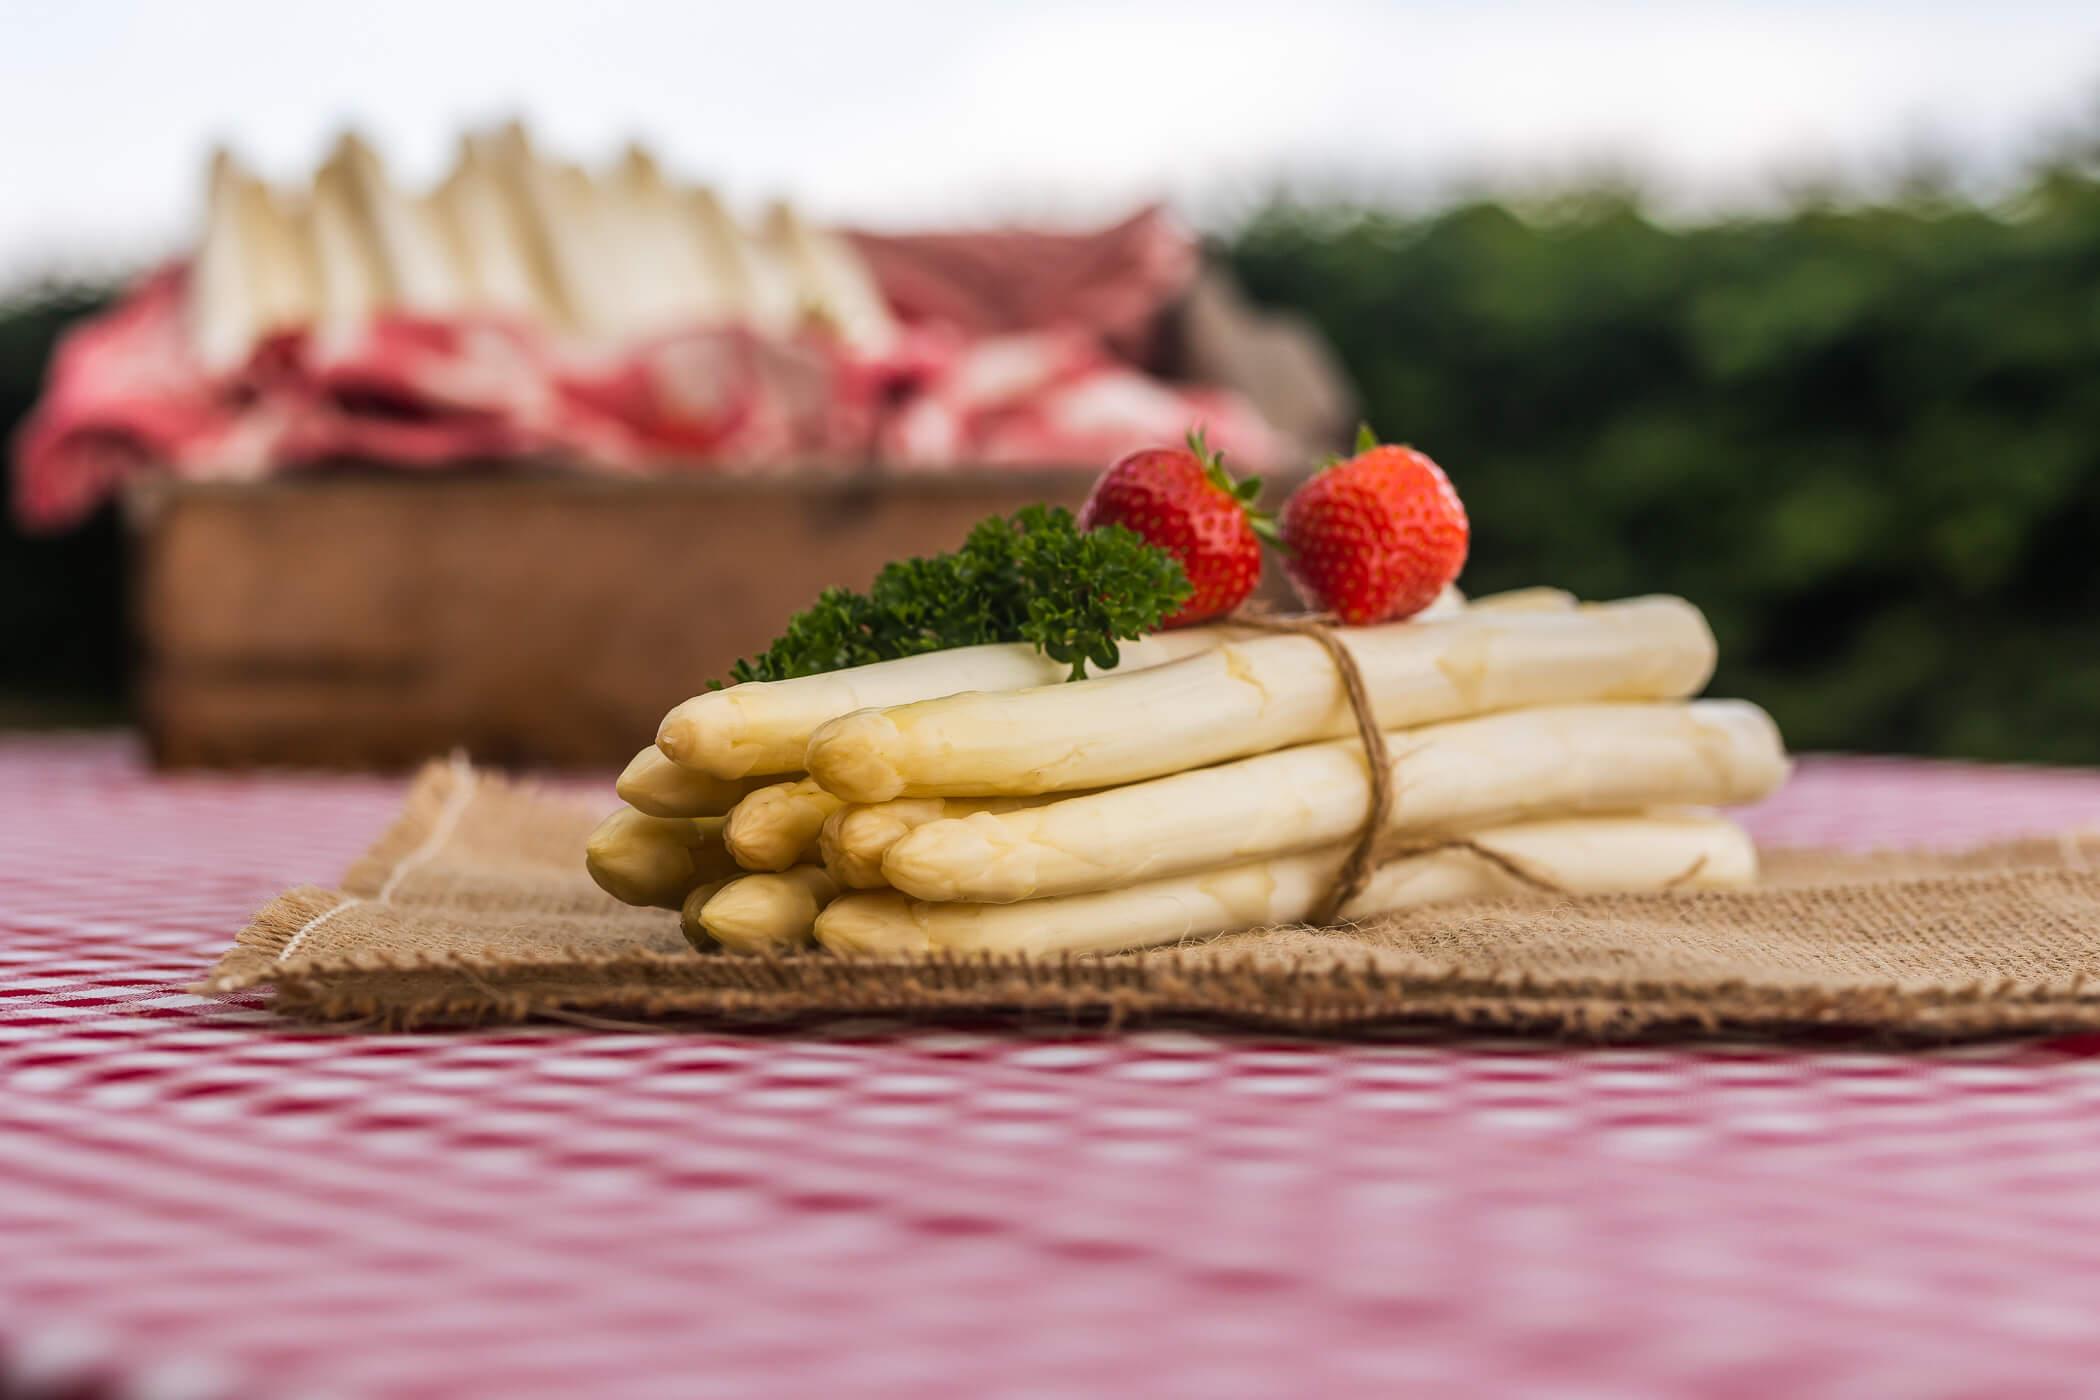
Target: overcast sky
[(902, 114)]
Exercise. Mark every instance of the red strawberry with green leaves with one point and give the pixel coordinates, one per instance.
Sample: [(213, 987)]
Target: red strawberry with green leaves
[(1183, 501), (1376, 537)]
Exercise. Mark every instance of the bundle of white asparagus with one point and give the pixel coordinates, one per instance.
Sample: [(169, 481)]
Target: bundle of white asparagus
[(972, 801), (606, 255)]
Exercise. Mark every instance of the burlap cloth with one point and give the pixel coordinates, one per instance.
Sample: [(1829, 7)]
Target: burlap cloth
[(475, 908)]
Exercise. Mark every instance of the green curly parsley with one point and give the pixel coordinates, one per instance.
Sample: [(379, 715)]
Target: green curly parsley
[(1035, 577)]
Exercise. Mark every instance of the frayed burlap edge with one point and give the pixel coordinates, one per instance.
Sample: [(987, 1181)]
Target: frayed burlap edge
[(467, 989), (456, 992), (1336, 993), (438, 784)]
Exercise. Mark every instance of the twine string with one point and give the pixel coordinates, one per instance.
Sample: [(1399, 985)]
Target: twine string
[(1507, 864), (1362, 860), (1368, 850)]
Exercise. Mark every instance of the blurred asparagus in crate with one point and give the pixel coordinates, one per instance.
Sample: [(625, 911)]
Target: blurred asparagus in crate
[(517, 460)]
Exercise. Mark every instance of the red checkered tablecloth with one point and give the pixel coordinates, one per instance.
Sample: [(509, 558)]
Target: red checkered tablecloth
[(197, 1200)]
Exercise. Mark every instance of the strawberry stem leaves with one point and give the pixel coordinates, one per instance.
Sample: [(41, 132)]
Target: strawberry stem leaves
[(1366, 441), (1246, 494)]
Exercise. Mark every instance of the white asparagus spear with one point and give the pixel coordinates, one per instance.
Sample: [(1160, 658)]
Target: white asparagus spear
[(773, 306), (659, 787), (506, 158), (284, 265), (745, 289), (590, 270), (1445, 604), (649, 274), (414, 263), (346, 265), (653, 861), (1248, 697), (556, 215), (1553, 761), (670, 284), (855, 839), (768, 913), (777, 825), (493, 251), (1453, 601), (1524, 600), (689, 915), (1578, 855), (828, 279), (763, 726), (224, 309), (249, 276)]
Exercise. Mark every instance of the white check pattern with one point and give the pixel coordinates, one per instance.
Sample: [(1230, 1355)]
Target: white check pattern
[(199, 1201)]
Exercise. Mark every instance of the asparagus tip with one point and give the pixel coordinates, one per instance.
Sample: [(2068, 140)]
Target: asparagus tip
[(847, 756)]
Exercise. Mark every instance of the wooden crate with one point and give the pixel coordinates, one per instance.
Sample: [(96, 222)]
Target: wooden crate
[(373, 621)]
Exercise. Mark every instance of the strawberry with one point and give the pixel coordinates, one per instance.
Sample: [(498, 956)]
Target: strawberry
[(1377, 537), (1184, 502)]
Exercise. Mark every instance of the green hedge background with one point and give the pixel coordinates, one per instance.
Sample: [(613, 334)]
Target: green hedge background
[(1866, 442), (1865, 439)]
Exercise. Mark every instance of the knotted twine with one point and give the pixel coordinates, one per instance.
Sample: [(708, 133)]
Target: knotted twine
[(1368, 850)]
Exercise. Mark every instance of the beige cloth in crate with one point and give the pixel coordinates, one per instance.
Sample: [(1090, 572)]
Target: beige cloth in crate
[(475, 908)]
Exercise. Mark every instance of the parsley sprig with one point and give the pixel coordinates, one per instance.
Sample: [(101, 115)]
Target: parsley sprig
[(1032, 577)]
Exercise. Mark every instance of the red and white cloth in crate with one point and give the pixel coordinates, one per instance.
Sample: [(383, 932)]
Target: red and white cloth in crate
[(1013, 349)]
